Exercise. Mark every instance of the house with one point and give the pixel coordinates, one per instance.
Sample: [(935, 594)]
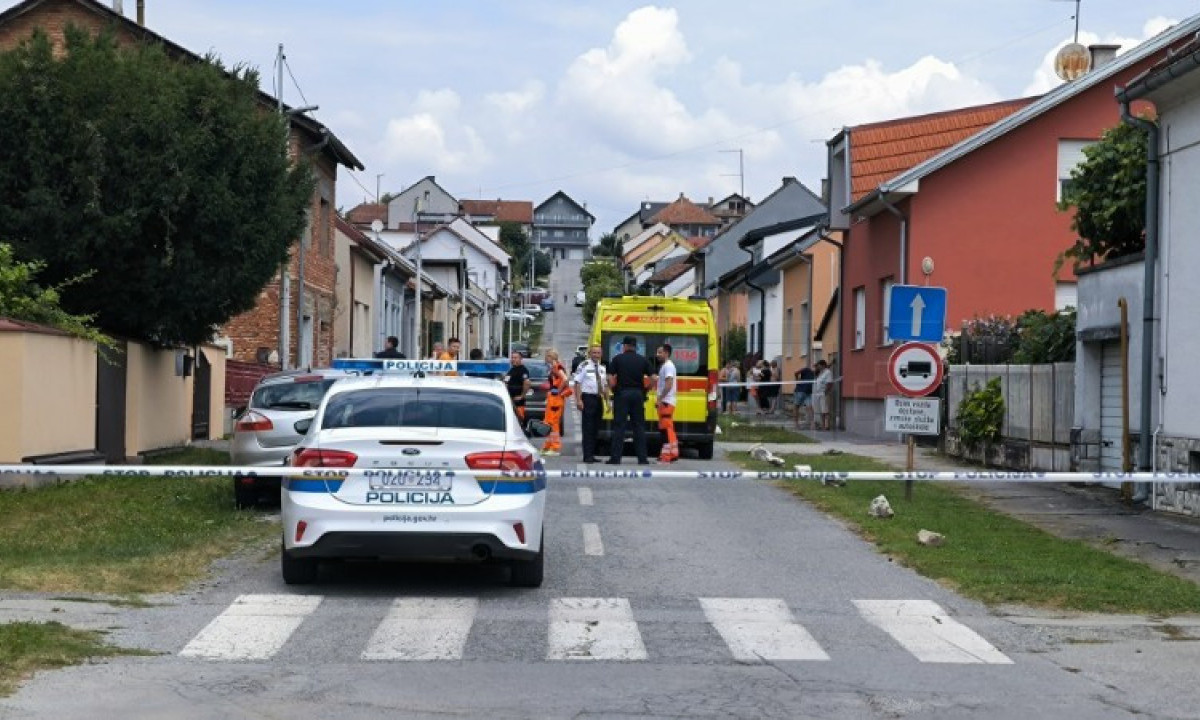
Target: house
[(688, 219), (364, 215), (729, 209), (642, 261), (457, 256), (372, 293), (965, 200), (808, 267), (641, 219), (421, 206), (495, 212), (719, 278), (1161, 394), (561, 226)]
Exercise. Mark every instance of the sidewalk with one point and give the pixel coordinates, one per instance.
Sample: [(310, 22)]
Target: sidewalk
[(1092, 514)]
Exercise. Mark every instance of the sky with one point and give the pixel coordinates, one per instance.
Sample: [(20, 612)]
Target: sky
[(617, 102)]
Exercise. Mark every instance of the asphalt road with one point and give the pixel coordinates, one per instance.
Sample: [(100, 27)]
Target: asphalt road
[(663, 598)]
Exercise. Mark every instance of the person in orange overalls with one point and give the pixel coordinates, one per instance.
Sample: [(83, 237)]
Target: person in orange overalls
[(451, 353), (556, 400), (665, 380)]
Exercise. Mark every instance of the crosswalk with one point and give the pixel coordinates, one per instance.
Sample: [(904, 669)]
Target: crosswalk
[(424, 629)]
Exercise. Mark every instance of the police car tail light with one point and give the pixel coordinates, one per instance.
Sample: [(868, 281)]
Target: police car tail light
[(312, 457), (254, 422), (712, 389), (500, 460)]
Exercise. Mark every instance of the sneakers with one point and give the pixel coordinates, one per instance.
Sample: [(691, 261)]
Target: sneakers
[(550, 453)]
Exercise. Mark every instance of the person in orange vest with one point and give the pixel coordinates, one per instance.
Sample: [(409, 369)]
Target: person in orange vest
[(556, 400), (665, 389), (451, 352)]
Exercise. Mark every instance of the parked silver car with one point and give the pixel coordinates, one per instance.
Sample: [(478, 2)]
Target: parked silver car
[(264, 432)]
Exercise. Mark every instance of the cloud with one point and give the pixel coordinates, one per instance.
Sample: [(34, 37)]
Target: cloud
[(1045, 79), (517, 102), (434, 136)]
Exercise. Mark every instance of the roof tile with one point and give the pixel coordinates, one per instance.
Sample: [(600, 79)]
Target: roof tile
[(685, 212), (518, 211)]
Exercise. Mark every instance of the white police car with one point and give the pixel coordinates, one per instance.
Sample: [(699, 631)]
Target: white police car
[(430, 450)]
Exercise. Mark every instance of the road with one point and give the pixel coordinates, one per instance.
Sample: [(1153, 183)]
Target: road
[(563, 329), (663, 598)]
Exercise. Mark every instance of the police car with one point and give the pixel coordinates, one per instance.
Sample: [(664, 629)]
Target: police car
[(404, 466)]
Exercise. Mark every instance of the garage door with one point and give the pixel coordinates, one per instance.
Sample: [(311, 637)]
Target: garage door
[(1110, 408), (578, 254)]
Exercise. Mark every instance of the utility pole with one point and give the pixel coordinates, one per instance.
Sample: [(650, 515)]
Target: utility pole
[(420, 278), (378, 176), (741, 173), (285, 340)]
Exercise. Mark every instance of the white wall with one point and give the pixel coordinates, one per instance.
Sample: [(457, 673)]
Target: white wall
[(1180, 260)]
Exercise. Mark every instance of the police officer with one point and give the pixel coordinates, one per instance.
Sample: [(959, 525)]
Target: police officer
[(591, 397), (628, 375)]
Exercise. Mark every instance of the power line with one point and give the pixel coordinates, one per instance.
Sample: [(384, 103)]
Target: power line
[(287, 66)]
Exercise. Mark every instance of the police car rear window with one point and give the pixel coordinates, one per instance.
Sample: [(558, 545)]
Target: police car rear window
[(289, 395), (415, 407)]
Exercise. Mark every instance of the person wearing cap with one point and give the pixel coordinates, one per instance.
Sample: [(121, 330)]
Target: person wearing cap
[(628, 376)]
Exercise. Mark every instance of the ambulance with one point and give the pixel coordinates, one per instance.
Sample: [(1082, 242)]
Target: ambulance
[(686, 324)]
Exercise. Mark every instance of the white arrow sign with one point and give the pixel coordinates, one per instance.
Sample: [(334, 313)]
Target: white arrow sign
[(918, 308)]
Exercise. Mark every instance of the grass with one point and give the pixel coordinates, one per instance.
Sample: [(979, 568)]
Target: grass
[(751, 432), (989, 556), (26, 648), (124, 535)]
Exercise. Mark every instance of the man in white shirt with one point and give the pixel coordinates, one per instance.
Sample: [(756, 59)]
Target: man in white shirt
[(590, 381), (665, 389)]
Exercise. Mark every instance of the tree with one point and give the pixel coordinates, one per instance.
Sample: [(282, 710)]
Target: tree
[(599, 278), (162, 185), (513, 239), (609, 246), (733, 344), (21, 298), (1108, 192)]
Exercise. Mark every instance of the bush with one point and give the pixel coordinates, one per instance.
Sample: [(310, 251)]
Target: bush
[(733, 344), (981, 415)]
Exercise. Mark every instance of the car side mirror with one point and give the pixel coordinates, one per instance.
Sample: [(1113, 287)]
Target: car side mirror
[(301, 426)]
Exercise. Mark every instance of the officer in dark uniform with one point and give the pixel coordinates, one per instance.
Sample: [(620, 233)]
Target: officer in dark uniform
[(628, 374)]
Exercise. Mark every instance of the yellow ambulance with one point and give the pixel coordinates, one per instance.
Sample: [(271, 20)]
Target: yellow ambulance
[(686, 324)]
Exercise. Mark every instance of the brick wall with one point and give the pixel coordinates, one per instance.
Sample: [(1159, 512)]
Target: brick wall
[(53, 16)]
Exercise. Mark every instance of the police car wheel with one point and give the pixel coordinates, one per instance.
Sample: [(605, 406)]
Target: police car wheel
[(297, 571), (245, 495), (528, 573), (705, 449)]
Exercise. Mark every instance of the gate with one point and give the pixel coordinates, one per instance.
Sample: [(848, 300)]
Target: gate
[(110, 404), (201, 397)]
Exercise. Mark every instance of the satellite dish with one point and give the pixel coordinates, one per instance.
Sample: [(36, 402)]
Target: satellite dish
[(376, 225), (1072, 62)]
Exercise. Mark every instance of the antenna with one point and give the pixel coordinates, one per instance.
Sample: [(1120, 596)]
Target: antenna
[(741, 173)]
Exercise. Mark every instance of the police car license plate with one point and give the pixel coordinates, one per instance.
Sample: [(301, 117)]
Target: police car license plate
[(410, 479)]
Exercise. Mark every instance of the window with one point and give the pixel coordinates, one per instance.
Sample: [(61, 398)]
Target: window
[(805, 329), (1070, 156), (860, 318), (885, 290), (415, 407), (787, 333)]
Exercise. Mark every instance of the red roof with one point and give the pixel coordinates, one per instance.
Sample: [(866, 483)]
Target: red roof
[(367, 213), (699, 242), (685, 212), (881, 151), (669, 274), (518, 211)]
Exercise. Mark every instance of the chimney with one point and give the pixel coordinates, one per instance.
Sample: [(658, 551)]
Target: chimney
[(118, 8), (789, 179), (1103, 54), (710, 200)]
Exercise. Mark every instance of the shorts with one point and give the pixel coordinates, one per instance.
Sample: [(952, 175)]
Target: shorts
[(801, 399)]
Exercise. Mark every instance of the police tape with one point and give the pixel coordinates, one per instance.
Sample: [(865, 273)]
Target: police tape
[(801, 472)]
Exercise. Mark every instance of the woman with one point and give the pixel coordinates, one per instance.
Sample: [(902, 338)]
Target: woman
[(764, 391), (556, 400), (735, 392), (722, 378)]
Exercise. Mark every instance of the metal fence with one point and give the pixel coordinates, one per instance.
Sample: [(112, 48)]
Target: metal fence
[(1039, 407)]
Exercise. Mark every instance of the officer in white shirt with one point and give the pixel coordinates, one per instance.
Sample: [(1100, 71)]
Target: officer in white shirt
[(591, 396)]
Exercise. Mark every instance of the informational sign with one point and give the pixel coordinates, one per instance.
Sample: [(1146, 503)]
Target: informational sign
[(914, 416), (916, 312), (915, 369)]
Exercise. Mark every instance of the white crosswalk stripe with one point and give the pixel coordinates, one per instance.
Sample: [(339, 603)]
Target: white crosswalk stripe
[(423, 629), (253, 627), (256, 627), (592, 544), (760, 629), (924, 629), (593, 629)]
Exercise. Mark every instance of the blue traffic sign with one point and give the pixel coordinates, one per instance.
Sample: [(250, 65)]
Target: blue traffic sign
[(917, 313)]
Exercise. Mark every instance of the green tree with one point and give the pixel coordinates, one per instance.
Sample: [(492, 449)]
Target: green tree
[(514, 240), (162, 185), (21, 298), (1046, 337), (733, 344), (609, 246), (1108, 193), (593, 293)]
